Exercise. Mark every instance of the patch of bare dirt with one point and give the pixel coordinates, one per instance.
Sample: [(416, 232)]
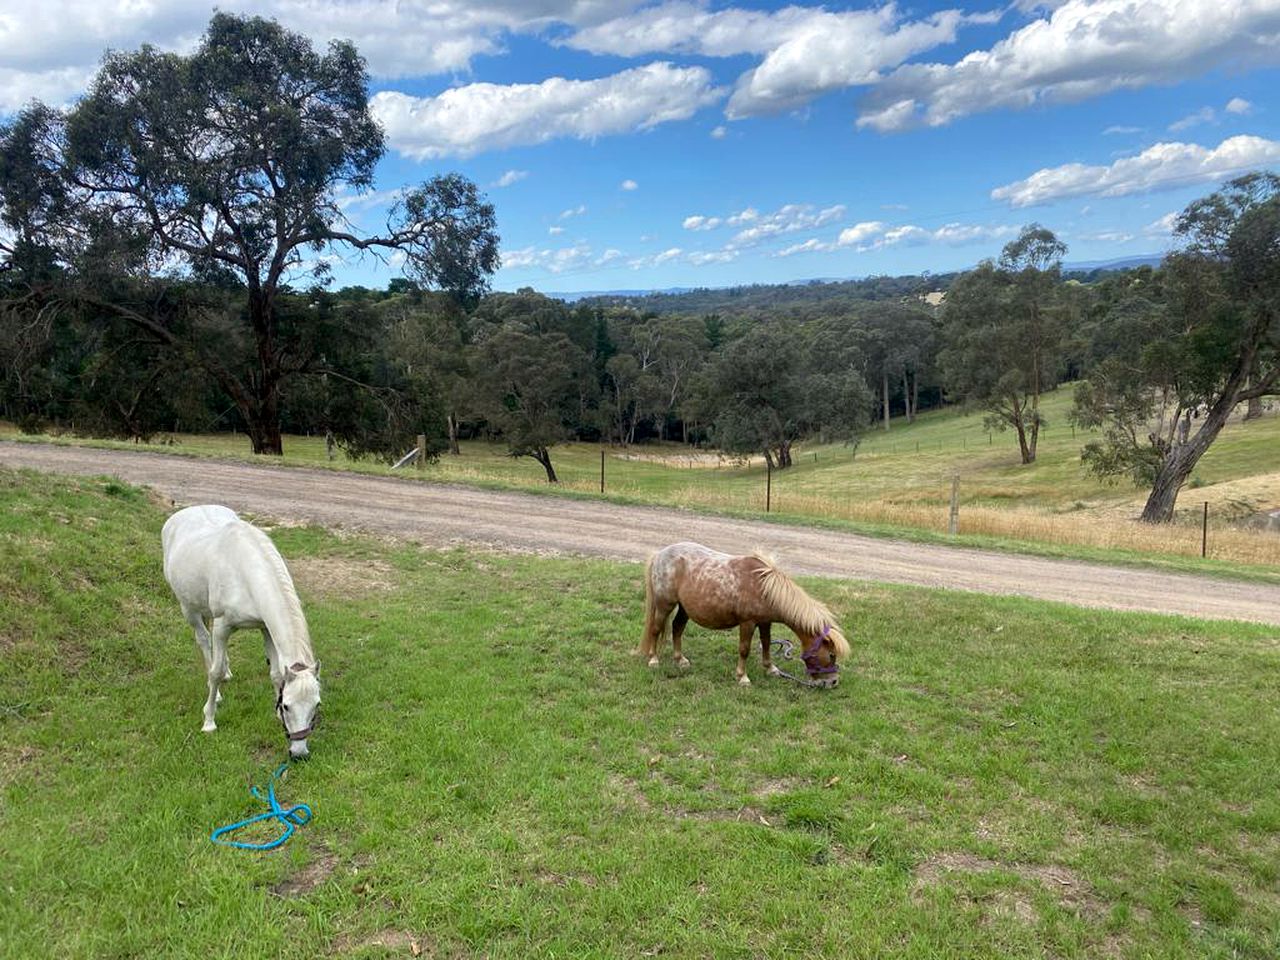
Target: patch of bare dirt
[(388, 940), (14, 761), (776, 786), (743, 814), (1063, 883), (347, 577), (301, 882)]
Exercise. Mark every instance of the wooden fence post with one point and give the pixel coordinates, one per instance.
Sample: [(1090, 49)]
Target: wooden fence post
[(953, 522), (1204, 531), (602, 469), (422, 450), (768, 485)]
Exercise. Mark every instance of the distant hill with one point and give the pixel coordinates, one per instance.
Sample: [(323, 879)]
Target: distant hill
[(1124, 263), (795, 292)]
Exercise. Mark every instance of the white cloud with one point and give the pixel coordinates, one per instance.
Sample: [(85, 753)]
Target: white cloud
[(749, 215), (720, 132), (485, 116), (1203, 115), (1162, 166), (1162, 227), (628, 185), (655, 259), (510, 177), (860, 232), (700, 258), (555, 231), (832, 51), (609, 256), (1082, 49), (49, 50), (577, 211), (786, 219), (812, 245), (699, 222), (876, 234), (1239, 106), (1121, 129), (807, 51), (556, 260)]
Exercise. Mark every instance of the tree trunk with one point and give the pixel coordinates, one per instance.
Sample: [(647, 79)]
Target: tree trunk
[(1182, 459), (452, 422), (1035, 438), (1253, 408), (884, 384), (906, 392), (915, 394), (543, 456), (264, 420), (266, 439), (784, 454)]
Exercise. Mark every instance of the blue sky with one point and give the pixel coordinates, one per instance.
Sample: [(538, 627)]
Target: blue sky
[(630, 145)]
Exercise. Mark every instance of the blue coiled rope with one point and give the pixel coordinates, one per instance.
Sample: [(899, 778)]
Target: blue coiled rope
[(299, 815)]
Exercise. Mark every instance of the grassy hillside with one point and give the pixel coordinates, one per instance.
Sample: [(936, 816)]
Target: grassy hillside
[(494, 773), (900, 481)]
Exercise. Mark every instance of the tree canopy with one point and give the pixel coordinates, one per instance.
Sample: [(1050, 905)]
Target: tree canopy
[(225, 166)]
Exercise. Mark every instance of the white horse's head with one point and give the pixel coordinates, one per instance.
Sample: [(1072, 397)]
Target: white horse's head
[(296, 703)]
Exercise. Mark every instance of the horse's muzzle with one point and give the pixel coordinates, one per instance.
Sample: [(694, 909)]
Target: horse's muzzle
[(298, 750)]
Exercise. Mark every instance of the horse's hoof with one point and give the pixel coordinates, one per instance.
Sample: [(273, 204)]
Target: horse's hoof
[(682, 662), (219, 700), (653, 661), (774, 671), (744, 681), (209, 727)]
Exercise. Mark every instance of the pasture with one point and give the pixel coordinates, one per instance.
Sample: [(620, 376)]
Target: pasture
[(898, 484), (495, 774)]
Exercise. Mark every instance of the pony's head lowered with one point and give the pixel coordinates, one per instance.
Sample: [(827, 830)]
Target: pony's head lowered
[(821, 652), (297, 701), (812, 622)]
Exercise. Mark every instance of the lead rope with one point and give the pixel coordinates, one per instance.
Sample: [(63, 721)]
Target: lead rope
[(787, 647), (299, 815)]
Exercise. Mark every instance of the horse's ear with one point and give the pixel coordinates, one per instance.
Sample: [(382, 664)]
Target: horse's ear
[(297, 667), (317, 669)]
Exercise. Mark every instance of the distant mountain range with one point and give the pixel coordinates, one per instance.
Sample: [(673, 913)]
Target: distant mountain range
[(1080, 266), (1125, 263)]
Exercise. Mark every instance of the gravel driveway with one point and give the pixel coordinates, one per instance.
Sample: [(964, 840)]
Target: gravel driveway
[(442, 515)]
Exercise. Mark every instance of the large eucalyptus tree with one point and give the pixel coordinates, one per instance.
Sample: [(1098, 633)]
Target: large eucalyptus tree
[(230, 163)]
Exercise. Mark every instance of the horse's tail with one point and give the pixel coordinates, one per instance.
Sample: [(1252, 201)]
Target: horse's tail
[(653, 632)]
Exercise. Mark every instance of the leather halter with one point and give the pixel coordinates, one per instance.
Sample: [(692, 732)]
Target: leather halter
[(291, 735)]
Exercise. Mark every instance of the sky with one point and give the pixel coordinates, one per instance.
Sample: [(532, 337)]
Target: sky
[(632, 145)]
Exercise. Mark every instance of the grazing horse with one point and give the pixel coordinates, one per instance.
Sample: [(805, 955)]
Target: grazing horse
[(719, 591), (229, 573)]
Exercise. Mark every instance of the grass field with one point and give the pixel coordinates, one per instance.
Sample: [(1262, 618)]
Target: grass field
[(495, 775), (900, 482)]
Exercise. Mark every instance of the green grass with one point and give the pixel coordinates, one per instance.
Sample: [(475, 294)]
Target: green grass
[(495, 774)]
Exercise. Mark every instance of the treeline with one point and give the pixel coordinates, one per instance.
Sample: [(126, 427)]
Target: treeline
[(798, 300), (163, 267)]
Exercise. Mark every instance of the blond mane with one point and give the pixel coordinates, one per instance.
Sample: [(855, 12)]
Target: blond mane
[(796, 608)]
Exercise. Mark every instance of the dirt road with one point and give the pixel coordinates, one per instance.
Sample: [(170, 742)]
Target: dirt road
[(442, 515)]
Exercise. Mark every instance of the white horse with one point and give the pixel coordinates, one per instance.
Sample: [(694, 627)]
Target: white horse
[(229, 573)]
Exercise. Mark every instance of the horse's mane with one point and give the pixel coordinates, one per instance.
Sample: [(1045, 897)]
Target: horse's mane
[(284, 579), (795, 607)]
